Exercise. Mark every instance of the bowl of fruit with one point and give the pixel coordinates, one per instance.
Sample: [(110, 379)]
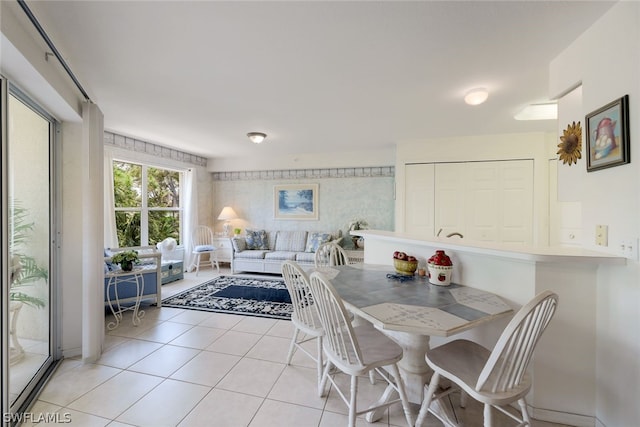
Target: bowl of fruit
[(404, 264)]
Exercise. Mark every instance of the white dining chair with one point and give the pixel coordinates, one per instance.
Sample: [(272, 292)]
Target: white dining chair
[(329, 254), (495, 378), (304, 317), (202, 242), (343, 345)]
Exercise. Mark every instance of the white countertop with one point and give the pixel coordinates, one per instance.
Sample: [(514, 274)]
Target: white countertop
[(515, 251)]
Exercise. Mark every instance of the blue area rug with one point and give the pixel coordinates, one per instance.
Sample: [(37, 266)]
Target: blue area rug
[(237, 295)]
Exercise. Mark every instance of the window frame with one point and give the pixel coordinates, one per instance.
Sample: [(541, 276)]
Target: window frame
[(144, 209)]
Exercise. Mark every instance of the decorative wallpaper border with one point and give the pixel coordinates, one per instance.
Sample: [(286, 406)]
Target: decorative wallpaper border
[(368, 172), (139, 146)]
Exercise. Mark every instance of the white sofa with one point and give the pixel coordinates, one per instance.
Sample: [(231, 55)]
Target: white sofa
[(265, 254)]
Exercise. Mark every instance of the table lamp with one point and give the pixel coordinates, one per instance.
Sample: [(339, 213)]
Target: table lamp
[(227, 215)]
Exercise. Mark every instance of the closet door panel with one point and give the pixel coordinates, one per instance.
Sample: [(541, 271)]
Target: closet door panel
[(450, 203), (482, 188), (517, 201), (485, 201), (419, 198)]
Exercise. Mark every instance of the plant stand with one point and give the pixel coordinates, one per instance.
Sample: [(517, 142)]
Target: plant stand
[(16, 352), (125, 278)]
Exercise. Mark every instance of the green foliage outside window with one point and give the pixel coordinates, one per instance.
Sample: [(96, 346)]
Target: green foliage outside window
[(24, 269), (161, 206)]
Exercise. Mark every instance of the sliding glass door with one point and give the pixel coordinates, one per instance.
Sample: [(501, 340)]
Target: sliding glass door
[(28, 230)]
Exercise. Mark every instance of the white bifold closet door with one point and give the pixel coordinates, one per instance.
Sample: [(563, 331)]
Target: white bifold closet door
[(486, 201)]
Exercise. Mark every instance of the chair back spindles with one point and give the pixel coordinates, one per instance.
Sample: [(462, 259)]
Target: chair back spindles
[(297, 283), (330, 254), (510, 358), (202, 235), (338, 256), (322, 256), (339, 336)]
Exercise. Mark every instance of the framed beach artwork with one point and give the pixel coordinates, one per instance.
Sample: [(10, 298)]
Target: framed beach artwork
[(608, 135), (296, 201)]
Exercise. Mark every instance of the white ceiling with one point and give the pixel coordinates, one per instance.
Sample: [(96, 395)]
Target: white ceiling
[(315, 76)]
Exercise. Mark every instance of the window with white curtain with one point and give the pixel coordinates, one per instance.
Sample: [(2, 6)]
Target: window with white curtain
[(147, 203)]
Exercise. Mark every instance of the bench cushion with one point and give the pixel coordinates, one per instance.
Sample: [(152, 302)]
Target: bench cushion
[(280, 256), (305, 257), (251, 254), (291, 241)]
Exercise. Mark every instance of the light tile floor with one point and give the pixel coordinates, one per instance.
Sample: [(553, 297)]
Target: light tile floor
[(191, 368)]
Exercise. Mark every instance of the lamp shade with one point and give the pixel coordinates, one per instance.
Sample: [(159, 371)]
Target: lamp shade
[(227, 214)]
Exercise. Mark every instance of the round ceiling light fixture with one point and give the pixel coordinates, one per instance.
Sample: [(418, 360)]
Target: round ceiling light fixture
[(476, 96), (256, 137)]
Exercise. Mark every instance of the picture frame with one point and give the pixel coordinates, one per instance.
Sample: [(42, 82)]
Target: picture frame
[(607, 138), (296, 201)]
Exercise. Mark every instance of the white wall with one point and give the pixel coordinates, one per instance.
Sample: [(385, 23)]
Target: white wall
[(344, 194), (606, 59), (44, 80)]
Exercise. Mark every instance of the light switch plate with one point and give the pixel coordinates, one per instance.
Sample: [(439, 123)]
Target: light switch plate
[(602, 235)]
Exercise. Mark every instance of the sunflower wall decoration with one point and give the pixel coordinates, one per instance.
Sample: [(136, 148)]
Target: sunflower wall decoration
[(570, 149)]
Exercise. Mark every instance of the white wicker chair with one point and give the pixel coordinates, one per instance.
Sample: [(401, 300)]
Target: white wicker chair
[(202, 242)]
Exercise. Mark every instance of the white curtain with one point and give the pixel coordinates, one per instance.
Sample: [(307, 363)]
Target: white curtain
[(110, 231), (92, 226), (190, 215)]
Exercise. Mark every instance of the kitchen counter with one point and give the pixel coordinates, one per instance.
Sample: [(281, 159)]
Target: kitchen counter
[(514, 251), (564, 365)]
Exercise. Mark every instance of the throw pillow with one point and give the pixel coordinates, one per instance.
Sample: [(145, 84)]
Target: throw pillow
[(239, 244), (257, 239), (109, 265), (204, 248), (315, 240)]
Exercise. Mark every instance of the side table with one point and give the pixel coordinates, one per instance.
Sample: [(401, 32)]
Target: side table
[(224, 249), (125, 278)]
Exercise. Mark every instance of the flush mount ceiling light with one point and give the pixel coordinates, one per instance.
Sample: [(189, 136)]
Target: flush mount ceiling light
[(476, 96), (256, 137), (543, 111)]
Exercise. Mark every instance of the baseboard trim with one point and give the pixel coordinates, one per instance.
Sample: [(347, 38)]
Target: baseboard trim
[(68, 353), (562, 417)]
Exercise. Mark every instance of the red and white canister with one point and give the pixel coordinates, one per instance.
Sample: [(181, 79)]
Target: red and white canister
[(440, 268)]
